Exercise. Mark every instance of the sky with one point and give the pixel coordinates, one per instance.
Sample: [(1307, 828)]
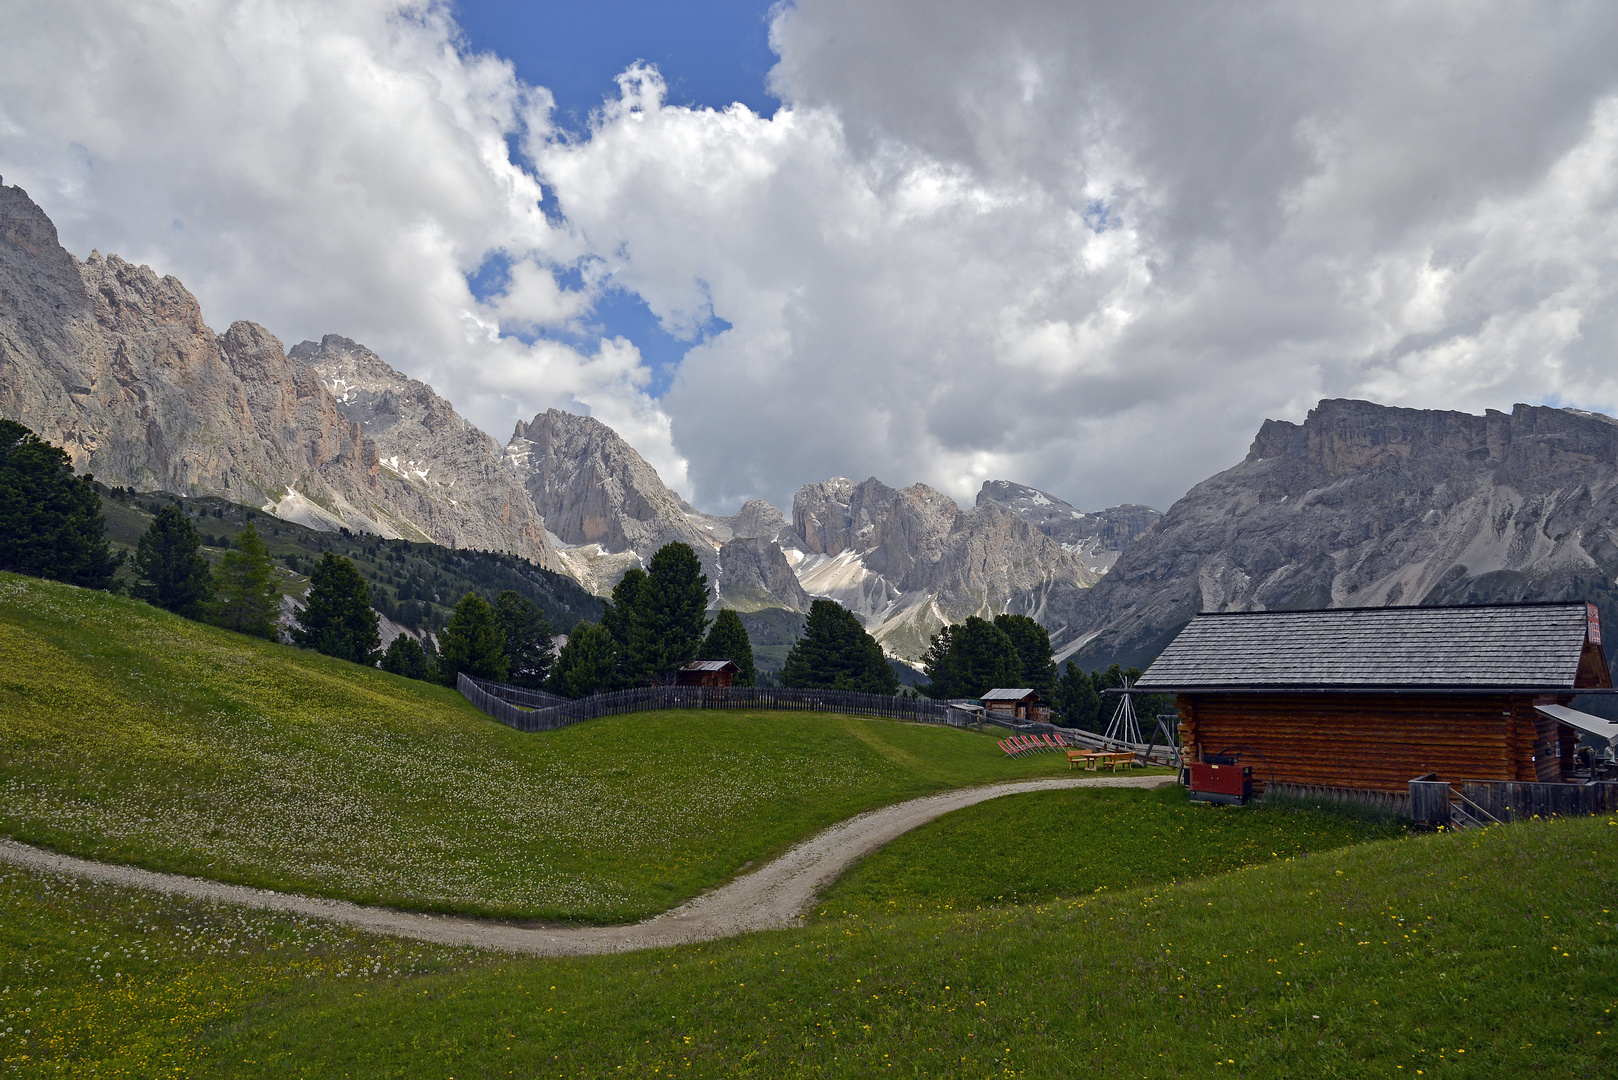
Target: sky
[(1086, 246)]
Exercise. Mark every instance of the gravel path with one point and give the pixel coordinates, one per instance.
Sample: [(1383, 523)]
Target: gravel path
[(773, 896)]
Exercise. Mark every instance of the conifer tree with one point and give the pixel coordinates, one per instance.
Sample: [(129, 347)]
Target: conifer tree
[(588, 663), (1033, 644), (406, 657), (472, 642), (728, 641), (836, 653), (966, 660), (673, 610), (169, 559), (337, 618), (529, 653), (51, 524), (1077, 701), (246, 598), (624, 620)]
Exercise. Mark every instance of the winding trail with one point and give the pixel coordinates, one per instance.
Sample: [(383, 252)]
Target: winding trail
[(774, 896)]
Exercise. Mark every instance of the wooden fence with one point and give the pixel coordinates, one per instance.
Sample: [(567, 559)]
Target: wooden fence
[(1397, 802), (529, 710), (1430, 800)]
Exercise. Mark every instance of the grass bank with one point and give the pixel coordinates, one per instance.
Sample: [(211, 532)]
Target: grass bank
[(1038, 847), (131, 735), (1474, 955)]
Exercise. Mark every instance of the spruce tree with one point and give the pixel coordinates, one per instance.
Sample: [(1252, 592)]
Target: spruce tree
[(1033, 644), (968, 659), (169, 560), (529, 652), (337, 618), (588, 663), (728, 641), (472, 642), (1077, 701), (836, 653), (624, 620), (406, 657), (674, 611), (246, 598), (51, 524)]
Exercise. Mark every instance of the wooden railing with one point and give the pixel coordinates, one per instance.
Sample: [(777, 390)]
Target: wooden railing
[(1432, 802), (529, 710)]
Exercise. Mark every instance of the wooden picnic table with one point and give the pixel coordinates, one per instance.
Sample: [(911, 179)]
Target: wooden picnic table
[(1094, 759)]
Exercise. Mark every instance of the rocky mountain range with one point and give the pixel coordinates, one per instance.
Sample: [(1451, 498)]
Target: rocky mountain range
[(1366, 505), (118, 366)]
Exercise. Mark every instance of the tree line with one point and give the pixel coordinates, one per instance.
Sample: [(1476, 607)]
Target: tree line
[(968, 659)]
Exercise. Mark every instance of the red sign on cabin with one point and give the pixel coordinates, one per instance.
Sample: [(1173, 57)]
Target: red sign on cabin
[(1592, 619)]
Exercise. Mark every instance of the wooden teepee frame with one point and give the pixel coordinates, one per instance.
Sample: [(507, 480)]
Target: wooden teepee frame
[(1125, 727)]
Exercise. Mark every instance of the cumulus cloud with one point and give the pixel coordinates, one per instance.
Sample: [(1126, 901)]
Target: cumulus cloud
[(317, 168), (1087, 247)]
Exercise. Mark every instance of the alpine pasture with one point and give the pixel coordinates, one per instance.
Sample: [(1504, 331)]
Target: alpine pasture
[(1108, 932)]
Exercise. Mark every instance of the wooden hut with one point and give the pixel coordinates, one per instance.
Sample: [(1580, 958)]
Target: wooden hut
[(1017, 704), (1371, 698), (707, 673)]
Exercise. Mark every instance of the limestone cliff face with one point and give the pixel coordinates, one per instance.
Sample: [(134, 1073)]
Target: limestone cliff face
[(457, 480), (598, 495), (910, 560), (754, 574), (117, 366), (1364, 505), (1096, 538)]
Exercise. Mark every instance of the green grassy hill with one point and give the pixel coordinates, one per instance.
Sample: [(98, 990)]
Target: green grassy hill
[(1463, 955), (133, 735)]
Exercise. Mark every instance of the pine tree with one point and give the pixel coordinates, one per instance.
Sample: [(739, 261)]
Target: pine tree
[(674, 610), (836, 653), (406, 657), (169, 560), (588, 663), (624, 620), (337, 618), (472, 642), (728, 641), (1033, 644), (529, 652), (246, 598), (51, 524)]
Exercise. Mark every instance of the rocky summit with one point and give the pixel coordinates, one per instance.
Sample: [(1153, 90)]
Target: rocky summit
[(1365, 505), (908, 561)]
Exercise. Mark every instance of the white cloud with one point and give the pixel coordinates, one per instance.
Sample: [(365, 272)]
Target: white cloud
[(317, 168), (1086, 247)]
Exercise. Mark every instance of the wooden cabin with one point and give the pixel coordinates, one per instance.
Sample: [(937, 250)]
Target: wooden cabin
[(1019, 704), (1371, 698), (707, 673)]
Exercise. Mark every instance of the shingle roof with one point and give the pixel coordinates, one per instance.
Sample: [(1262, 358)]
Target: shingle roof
[(709, 665), (1522, 646), (1008, 695)]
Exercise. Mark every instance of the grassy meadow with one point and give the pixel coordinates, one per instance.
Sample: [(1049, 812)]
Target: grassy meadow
[(1109, 933), (1480, 954), (132, 735)]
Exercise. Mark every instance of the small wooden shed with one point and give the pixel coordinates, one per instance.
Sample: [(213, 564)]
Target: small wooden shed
[(707, 673), (1370, 698), (1017, 704)]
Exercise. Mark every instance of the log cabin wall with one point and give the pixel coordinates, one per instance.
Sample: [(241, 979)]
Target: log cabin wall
[(1369, 741)]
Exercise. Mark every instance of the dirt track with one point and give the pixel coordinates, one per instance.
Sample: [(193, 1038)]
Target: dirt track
[(774, 896)]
